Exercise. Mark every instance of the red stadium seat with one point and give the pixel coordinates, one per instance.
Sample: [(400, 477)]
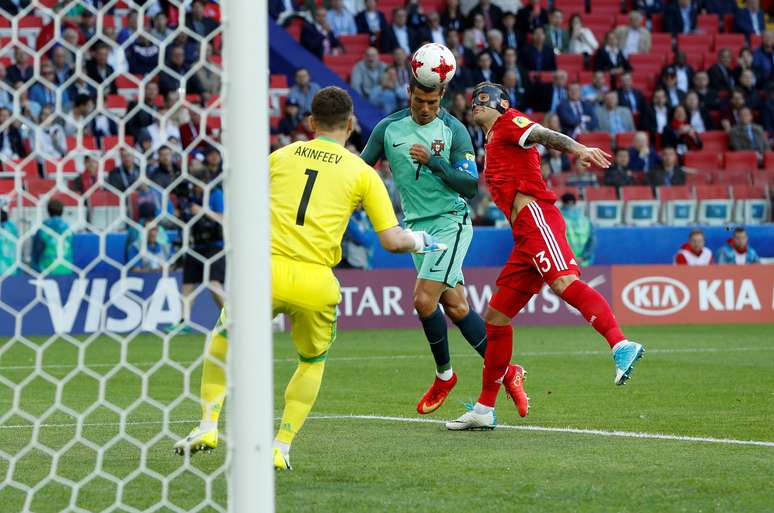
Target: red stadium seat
[(703, 177), (682, 192), (597, 139), (570, 62), (40, 186), (743, 192), (703, 160), (560, 191), (7, 186), (279, 81), (355, 43), (601, 194), (624, 139), (570, 7), (741, 160), (714, 140), (768, 160), (708, 23), (732, 41), (706, 192), (636, 192), (111, 141), (755, 40), (732, 177), (651, 60), (698, 41), (763, 178)]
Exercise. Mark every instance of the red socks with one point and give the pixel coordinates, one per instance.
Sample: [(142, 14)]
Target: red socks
[(499, 347), (594, 309)]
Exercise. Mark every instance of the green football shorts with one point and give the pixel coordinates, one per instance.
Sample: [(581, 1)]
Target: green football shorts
[(446, 266)]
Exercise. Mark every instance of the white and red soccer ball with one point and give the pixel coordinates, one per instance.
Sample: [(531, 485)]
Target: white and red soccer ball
[(433, 65)]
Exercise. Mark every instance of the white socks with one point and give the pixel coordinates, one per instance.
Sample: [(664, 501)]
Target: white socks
[(283, 447), (207, 425), (482, 409), (617, 344), (445, 375)]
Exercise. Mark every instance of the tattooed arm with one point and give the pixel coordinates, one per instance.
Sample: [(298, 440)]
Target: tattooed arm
[(585, 156)]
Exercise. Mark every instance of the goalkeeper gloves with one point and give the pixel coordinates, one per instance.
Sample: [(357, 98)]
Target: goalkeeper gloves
[(425, 243)]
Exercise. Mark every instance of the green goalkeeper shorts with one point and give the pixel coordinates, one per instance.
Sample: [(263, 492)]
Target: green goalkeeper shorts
[(446, 266)]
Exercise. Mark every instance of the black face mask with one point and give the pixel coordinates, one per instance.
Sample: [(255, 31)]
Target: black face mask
[(3, 216), (489, 95)]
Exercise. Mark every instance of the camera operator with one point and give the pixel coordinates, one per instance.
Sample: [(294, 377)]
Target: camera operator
[(200, 206)]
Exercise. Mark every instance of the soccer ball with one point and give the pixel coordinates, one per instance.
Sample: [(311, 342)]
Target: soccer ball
[(433, 65)]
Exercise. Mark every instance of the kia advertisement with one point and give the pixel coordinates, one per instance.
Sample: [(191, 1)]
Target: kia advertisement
[(701, 294)]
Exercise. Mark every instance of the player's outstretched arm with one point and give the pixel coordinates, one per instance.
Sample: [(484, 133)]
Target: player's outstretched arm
[(585, 156), (398, 240)]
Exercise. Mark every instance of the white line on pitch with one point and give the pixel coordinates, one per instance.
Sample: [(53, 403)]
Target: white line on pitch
[(335, 358), (576, 431), (412, 420)]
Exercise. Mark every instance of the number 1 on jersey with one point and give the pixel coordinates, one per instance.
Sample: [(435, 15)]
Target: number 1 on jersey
[(311, 175)]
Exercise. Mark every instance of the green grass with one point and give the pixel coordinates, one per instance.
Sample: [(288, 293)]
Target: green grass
[(723, 389)]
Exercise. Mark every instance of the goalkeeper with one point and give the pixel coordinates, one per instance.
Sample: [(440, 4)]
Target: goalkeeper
[(315, 187), (434, 168)]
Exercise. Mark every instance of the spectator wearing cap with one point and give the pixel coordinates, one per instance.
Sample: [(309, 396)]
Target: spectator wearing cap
[(737, 250), (674, 95), (398, 33), (610, 57), (750, 20), (629, 97), (367, 72), (763, 58), (669, 172), (530, 17), (539, 54), (557, 36), (341, 21), (641, 156), (612, 118), (748, 136), (680, 17), (317, 36), (619, 174), (580, 231), (633, 37), (371, 21), (303, 90), (694, 252), (291, 118), (576, 115), (721, 75)]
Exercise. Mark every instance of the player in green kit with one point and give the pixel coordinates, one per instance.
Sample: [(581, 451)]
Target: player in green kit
[(434, 168)]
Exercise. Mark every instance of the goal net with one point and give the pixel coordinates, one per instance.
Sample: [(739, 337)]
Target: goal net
[(113, 254)]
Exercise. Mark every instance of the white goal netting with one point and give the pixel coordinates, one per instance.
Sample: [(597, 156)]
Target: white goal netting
[(111, 252)]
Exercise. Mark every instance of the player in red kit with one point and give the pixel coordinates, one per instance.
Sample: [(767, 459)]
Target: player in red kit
[(540, 252)]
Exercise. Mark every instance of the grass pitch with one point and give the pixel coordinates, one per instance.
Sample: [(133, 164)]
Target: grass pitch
[(696, 381)]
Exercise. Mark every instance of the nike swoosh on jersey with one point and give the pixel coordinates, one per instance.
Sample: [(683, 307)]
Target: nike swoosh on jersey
[(399, 144)]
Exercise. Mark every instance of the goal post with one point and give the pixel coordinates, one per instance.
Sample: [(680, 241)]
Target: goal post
[(246, 141)]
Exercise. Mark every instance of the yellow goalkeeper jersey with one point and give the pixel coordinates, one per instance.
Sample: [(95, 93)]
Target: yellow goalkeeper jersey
[(315, 187)]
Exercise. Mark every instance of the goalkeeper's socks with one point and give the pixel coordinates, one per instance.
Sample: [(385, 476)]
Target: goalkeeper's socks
[(283, 447), (473, 329), (498, 356), (594, 308), (207, 425), (436, 333)]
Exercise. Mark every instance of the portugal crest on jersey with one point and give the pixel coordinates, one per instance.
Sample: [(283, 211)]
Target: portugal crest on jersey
[(437, 147)]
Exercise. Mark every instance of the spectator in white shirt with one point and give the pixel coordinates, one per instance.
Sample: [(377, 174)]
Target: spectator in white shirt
[(634, 37), (341, 21), (435, 29)]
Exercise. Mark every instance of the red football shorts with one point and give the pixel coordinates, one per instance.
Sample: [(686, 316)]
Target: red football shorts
[(540, 254)]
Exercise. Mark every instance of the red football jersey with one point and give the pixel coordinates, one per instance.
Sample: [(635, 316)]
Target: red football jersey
[(511, 165)]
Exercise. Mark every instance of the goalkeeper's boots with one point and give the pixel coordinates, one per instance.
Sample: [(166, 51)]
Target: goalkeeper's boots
[(625, 355), (281, 460), (436, 395), (472, 421), (513, 382), (198, 440)]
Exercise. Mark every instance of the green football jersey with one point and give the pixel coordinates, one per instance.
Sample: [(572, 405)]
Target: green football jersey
[(423, 194)]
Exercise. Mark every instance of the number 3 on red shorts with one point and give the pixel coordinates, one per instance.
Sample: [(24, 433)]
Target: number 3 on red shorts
[(542, 263)]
